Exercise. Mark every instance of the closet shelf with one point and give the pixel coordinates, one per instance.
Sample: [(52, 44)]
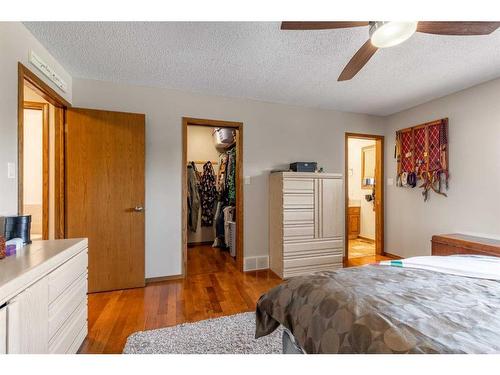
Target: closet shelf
[(204, 161)]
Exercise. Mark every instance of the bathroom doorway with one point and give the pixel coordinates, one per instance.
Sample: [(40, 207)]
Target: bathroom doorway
[(40, 155), (364, 196)]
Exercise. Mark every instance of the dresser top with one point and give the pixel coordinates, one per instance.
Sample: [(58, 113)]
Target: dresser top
[(459, 237), (468, 242), (33, 261), (308, 174)]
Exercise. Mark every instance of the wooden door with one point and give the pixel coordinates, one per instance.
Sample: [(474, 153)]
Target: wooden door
[(354, 221), (105, 194)]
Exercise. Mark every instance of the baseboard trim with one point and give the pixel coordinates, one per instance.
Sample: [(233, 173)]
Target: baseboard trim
[(366, 239), (163, 278)]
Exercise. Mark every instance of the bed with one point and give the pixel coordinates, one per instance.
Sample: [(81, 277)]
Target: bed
[(435, 304)]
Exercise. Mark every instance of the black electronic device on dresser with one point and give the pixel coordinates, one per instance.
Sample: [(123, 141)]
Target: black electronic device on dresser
[(16, 227), (304, 166)]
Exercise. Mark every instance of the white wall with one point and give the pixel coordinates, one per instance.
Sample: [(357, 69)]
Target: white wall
[(200, 146), (472, 204), (367, 219), (274, 136), (33, 157), (33, 169), (15, 43)]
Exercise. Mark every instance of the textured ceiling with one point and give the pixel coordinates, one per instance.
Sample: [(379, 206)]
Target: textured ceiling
[(257, 60)]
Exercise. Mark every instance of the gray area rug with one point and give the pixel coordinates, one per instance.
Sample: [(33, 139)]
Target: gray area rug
[(234, 334)]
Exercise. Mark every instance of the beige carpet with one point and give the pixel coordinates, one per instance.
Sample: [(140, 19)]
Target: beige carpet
[(233, 334)]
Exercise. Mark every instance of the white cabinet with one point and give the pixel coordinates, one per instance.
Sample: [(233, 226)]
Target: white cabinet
[(45, 290), (27, 316), (328, 207), (3, 330), (306, 222)]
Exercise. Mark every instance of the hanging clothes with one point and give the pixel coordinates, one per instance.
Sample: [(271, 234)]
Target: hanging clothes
[(208, 194), (228, 216), (193, 197), (231, 177), (219, 227), (221, 175)]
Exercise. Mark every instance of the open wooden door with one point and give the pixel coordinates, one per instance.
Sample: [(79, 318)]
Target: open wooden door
[(105, 194)]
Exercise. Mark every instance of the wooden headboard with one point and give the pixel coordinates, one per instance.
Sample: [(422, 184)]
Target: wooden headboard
[(450, 244)]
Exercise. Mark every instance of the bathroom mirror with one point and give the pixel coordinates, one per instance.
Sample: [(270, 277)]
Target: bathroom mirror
[(367, 167)]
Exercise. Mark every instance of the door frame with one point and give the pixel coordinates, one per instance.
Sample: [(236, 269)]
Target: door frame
[(44, 107), (189, 121), (379, 192), (30, 79)]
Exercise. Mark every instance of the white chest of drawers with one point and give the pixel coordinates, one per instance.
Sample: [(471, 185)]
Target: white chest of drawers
[(306, 222), (44, 293)]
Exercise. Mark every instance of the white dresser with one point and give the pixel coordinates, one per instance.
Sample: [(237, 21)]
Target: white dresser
[(43, 298), (306, 222)]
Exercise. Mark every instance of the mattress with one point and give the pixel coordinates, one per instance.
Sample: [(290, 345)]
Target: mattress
[(394, 308)]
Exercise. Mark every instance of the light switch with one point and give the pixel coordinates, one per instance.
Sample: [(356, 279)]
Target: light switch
[(11, 170), (247, 180), (390, 181)]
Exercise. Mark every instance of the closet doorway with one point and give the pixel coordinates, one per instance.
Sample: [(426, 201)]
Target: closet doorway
[(212, 194), (364, 197)]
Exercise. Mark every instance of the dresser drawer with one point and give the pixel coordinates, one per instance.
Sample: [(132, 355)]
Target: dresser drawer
[(312, 264), (3, 330), (61, 278), (306, 270), (291, 216), (298, 201), (66, 304), (73, 349), (64, 340), (294, 232), (315, 247), (299, 185)]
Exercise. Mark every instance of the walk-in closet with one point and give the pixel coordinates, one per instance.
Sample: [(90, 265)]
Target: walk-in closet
[(212, 179)]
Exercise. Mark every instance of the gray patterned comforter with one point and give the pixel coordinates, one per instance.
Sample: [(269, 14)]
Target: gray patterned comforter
[(383, 309)]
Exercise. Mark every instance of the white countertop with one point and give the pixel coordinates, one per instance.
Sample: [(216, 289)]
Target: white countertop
[(33, 261)]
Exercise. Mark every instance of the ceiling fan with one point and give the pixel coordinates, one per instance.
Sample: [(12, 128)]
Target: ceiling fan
[(383, 34)]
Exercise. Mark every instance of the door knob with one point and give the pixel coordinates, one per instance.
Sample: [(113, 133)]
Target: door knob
[(138, 208)]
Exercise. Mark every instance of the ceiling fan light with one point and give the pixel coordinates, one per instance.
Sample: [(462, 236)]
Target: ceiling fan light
[(389, 34)]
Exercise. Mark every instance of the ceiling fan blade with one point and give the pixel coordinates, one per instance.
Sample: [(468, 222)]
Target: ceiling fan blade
[(457, 28), (303, 25), (358, 61)]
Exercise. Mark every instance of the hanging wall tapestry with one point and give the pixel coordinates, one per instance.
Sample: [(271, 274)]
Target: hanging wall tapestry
[(422, 154)]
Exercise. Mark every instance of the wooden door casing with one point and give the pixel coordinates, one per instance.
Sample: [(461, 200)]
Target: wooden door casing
[(378, 205), (105, 159), (379, 191)]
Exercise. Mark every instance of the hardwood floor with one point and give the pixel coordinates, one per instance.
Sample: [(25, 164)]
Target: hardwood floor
[(213, 287), (360, 247)]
